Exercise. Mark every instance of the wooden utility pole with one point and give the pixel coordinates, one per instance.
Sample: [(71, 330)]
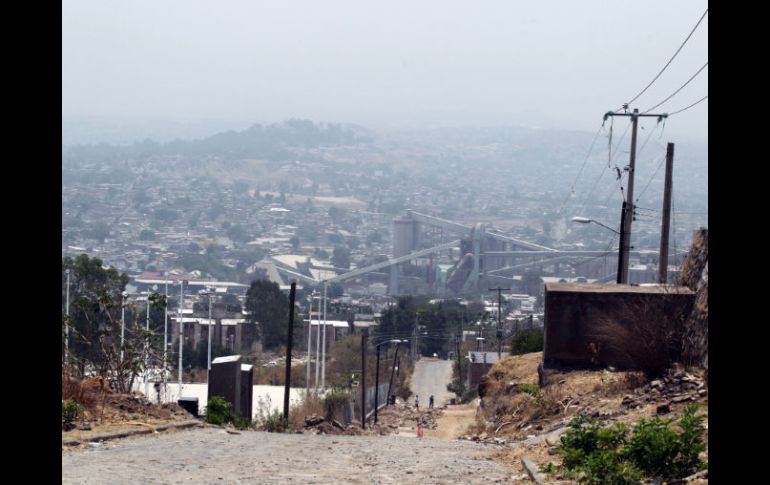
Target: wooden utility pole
[(499, 333), (625, 246), (364, 334), (663, 263), (621, 242), (287, 385), (390, 385)]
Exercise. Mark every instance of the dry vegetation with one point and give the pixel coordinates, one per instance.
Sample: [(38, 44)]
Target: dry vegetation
[(105, 410)]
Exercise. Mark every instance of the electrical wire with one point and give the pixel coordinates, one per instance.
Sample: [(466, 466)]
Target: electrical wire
[(588, 194), (670, 60), (688, 107), (572, 188), (660, 164), (680, 87)]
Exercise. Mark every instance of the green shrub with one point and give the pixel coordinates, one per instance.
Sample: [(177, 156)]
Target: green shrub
[(662, 452), (275, 422), (242, 422), (528, 341), (598, 454), (70, 410), (218, 411), (334, 402)]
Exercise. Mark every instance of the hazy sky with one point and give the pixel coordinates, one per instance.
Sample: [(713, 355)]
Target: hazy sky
[(537, 63)]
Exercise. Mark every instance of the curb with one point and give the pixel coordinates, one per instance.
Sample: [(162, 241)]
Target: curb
[(132, 432)]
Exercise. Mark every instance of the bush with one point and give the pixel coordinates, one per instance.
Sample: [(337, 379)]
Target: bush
[(242, 422), (218, 411), (660, 451), (275, 422), (70, 410), (528, 341), (597, 454), (334, 403)]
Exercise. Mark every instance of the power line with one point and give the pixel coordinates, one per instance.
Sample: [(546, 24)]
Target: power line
[(588, 194), (688, 107), (572, 188), (672, 58), (680, 88), (660, 164)]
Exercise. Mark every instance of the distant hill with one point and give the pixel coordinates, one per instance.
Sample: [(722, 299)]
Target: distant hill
[(268, 142)]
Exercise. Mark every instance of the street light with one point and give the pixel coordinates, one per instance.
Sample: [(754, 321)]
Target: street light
[(622, 272), (585, 220), (377, 377), (208, 292)]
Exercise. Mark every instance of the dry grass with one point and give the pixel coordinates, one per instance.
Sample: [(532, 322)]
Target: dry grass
[(644, 334), (309, 406)]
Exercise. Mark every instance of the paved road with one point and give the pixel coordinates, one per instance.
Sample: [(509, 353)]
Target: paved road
[(431, 376), (212, 456)]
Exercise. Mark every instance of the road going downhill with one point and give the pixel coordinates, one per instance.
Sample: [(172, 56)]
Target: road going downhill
[(431, 377), (212, 456)]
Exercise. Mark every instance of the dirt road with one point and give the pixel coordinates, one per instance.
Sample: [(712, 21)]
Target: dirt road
[(210, 455), (431, 377)]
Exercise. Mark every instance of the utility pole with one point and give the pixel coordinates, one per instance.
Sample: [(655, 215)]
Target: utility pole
[(629, 205), (318, 347), (147, 352), (309, 343), (621, 272), (364, 334), (377, 385), (165, 333), (181, 334), (122, 324), (287, 385), (323, 346), (499, 319), (67, 326), (208, 362), (459, 362), (390, 385), (663, 263)]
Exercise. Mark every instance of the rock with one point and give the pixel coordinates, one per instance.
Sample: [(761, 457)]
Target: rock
[(682, 398), (656, 384), (663, 409), (313, 420), (84, 427)]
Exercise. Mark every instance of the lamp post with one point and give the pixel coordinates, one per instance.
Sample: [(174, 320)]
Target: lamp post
[(393, 371), (122, 323), (309, 342), (165, 332), (181, 335), (209, 294), (377, 377), (622, 271)]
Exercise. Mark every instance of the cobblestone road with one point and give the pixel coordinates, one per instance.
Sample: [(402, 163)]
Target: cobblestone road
[(212, 456)]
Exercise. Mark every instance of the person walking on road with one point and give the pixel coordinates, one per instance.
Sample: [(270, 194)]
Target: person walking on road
[(417, 402), (430, 402)]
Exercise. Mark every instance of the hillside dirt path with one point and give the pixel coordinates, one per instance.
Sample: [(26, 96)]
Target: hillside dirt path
[(210, 455)]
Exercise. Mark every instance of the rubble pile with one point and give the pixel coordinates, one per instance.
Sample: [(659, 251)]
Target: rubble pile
[(677, 386)]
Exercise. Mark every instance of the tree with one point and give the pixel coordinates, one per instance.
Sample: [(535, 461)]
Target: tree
[(341, 257), (268, 309), (335, 290)]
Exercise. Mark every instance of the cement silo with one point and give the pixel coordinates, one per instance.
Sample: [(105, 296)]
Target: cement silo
[(405, 236)]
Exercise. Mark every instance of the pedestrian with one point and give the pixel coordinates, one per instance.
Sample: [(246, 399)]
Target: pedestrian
[(430, 402), (417, 402), (419, 428)]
